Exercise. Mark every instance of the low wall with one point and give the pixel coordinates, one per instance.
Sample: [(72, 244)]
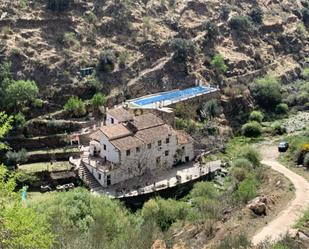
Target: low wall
[(47, 157)]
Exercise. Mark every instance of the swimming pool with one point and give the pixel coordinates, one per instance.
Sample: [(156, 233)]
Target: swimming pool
[(168, 98)]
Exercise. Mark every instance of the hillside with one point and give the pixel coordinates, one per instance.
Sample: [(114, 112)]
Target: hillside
[(51, 47)]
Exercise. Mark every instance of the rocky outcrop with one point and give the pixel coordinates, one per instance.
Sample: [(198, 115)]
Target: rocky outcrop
[(259, 205)]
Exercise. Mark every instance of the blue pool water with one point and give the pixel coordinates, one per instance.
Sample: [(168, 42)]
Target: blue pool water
[(173, 96)]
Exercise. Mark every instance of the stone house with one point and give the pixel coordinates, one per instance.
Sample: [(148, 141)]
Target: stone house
[(129, 146)]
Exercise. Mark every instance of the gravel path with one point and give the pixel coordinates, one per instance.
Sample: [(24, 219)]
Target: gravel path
[(288, 217)]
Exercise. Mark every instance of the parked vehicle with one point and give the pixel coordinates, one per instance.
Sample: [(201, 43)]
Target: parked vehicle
[(283, 146), (46, 188), (65, 187)]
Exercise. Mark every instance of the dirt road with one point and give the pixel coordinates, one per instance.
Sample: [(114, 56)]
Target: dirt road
[(288, 217)]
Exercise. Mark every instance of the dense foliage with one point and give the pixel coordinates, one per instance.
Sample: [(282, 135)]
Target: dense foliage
[(183, 49), (58, 5), (75, 106)]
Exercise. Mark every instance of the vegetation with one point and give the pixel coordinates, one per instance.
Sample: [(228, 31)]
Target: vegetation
[(98, 100), (266, 92), (210, 109), (75, 106), (282, 108), (107, 61), (256, 116), (218, 64), (5, 126), (256, 15), (241, 24), (183, 49), (58, 5), (21, 226), (251, 129), (13, 158)]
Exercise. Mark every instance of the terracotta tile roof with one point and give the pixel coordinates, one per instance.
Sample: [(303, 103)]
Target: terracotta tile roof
[(115, 131), (183, 138), (127, 143), (96, 135), (120, 114), (155, 133), (146, 121)]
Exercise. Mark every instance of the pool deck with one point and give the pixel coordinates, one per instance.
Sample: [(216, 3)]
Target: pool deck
[(163, 99), (161, 180)]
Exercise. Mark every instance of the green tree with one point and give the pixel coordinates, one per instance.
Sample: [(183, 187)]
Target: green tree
[(5, 126), (20, 92), (5, 80), (218, 64), (75, 106), (282, 108), (98, 100), (267, 92), (20, 226), (241, 24)]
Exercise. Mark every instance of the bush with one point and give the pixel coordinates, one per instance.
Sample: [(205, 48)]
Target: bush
[(251, 154), (210, 109), (183, 49), (212, 31), (14, 158), (204, 189), (69, 39), (232, 241), (164, 212), (241, 24), (251, 129), (282, 108), (305, 74), (256, 116), (278, 129), (267, 92), (240, 174), (256, 15), (19, 120), (225, 12), (37, 103), (75, 106), (218, 64), (242, 163), (58, 5), (247, 190), (107, 61)]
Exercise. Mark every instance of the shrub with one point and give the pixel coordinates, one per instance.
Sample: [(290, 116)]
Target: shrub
[(251, 154), (242, 163), (256, 116), (305, 74), (232, 241), (256, 15), (282, 108), (204, 189), (164, 212), (225, 12), (305, 13), (183, 49), (278, 129), (241, 24), (19, 120), (19, 157), (251, 129), (247, 190), (37, 103), (107, 61), (301, 29), (185, 111), (210, 109), (240, 174), (218, 64), (58, 5), (212, 30), (267, 92), (69, 39), (75, 106)]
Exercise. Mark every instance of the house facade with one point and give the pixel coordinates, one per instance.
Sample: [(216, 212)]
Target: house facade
[(129, 146)]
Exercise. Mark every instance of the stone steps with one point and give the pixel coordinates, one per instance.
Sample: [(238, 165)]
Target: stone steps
[(88, 178)]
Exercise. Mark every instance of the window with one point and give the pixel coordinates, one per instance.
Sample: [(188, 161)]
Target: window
[(138, 149), (149, 146), (158, 160), (166, 153), (112, 120), (104, 146), (128, 152), (159, 143), (167, 140), (99, 176), (183, 147)]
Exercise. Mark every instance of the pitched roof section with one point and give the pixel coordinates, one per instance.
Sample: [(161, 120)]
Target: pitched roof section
[(96, 135), (120, 114), (183, 138), (146, 121), (127, 143), (154, 134), (115, 131)]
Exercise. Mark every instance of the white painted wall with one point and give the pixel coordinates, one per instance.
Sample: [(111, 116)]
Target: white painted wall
[(111, 153), (109, 120)]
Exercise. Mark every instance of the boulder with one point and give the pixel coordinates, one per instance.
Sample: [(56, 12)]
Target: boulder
[(159, 244), (259, 205)]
